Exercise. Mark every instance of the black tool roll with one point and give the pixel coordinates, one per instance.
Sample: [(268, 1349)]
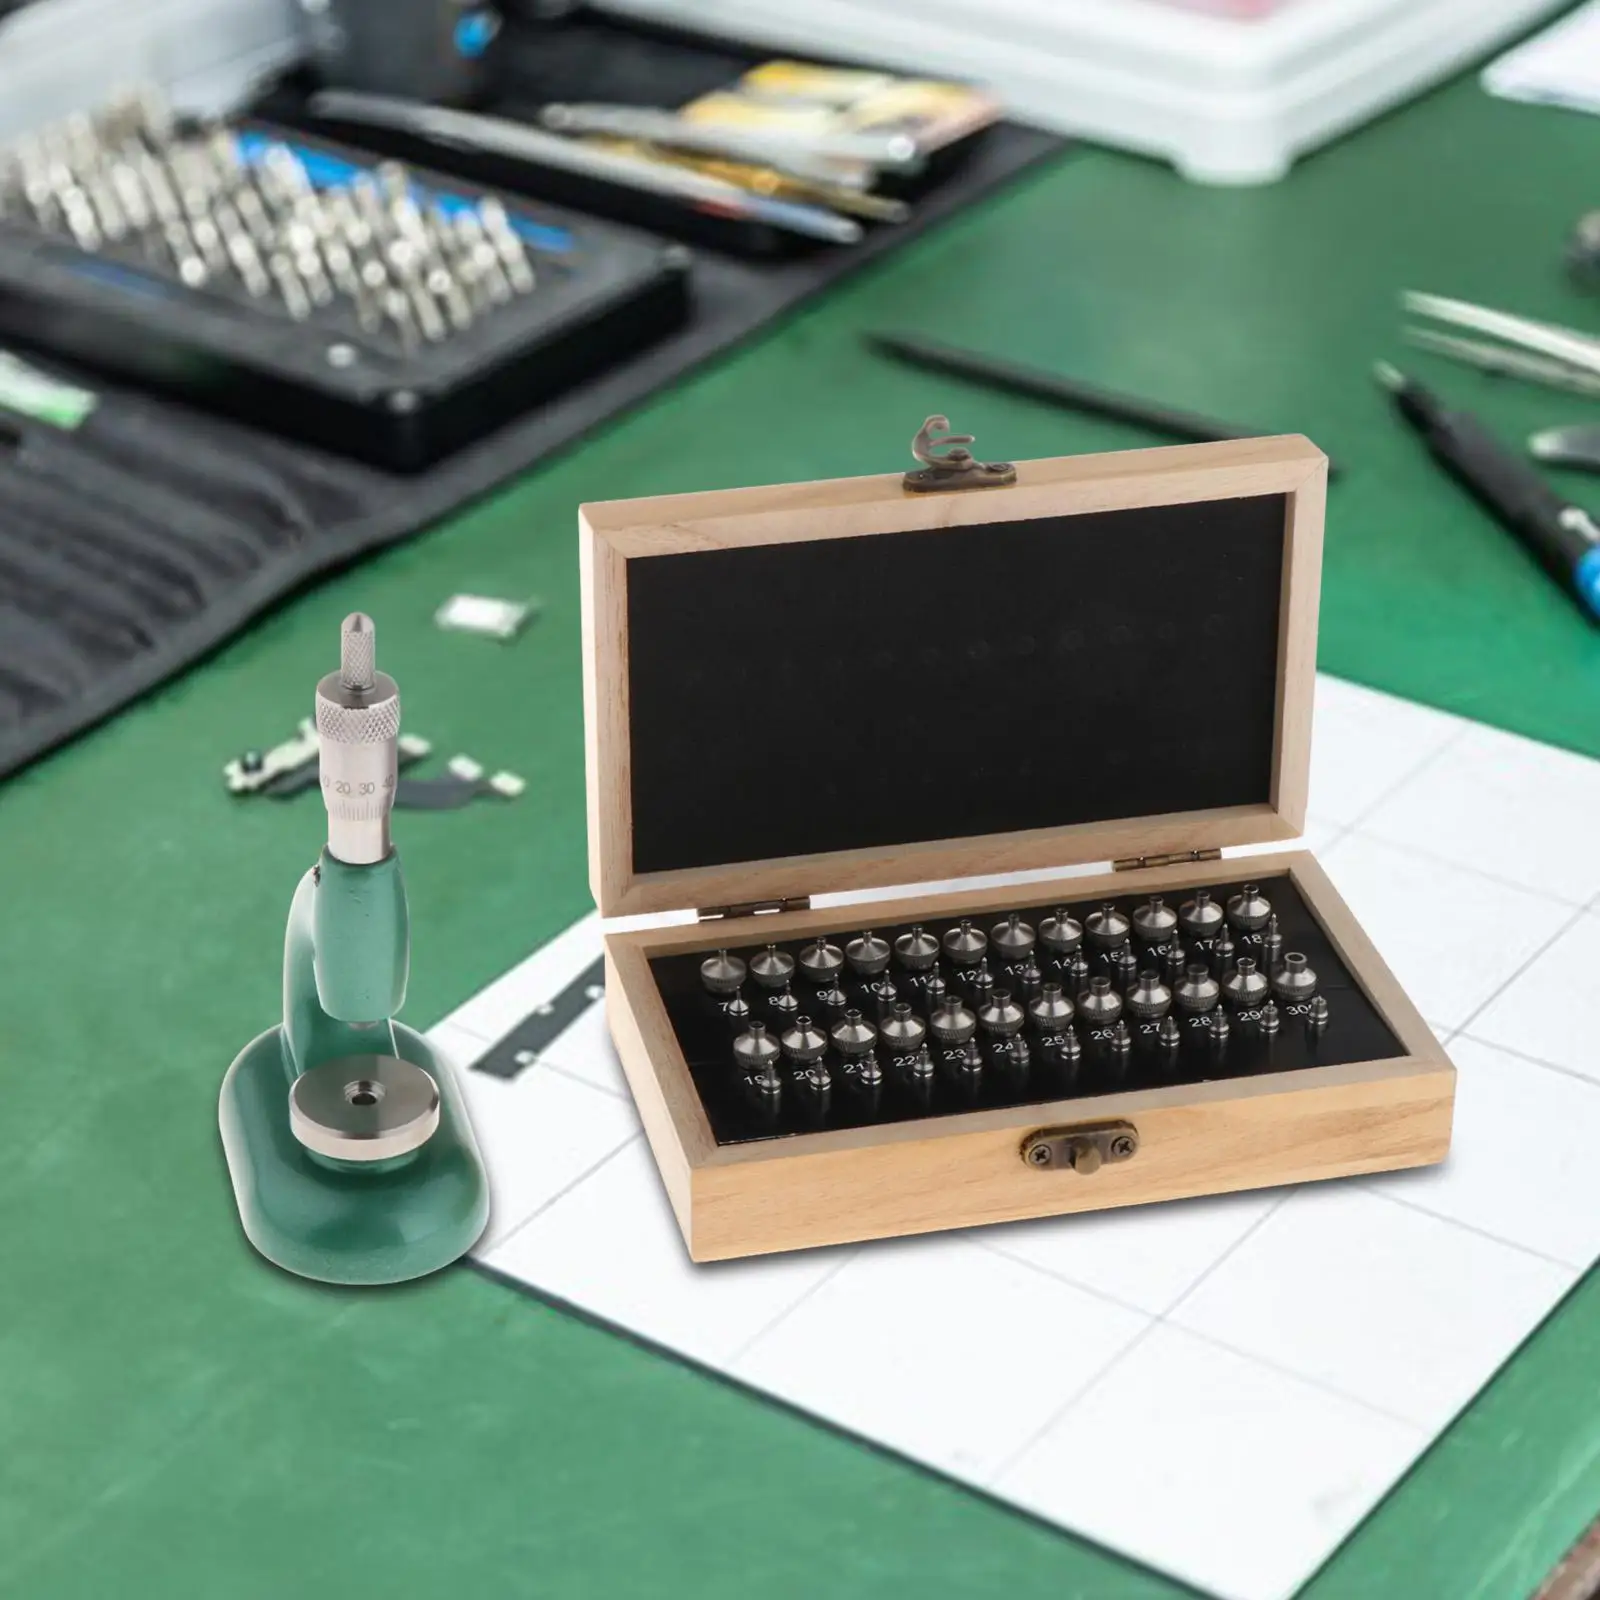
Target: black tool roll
[(135, 542)]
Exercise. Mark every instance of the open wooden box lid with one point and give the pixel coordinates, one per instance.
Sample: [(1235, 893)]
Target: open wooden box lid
[(819, 687)]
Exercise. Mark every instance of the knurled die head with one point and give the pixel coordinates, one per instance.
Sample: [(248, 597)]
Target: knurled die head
[(369, 717)]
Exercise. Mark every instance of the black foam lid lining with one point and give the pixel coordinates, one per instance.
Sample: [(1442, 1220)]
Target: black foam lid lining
[(838, 694)]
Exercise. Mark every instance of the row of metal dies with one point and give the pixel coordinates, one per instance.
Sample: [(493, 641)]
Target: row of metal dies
[(190, 202), (1021, 1004)]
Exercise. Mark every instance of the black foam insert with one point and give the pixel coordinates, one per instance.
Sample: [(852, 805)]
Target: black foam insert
[(838, 694), (1354, 1031)]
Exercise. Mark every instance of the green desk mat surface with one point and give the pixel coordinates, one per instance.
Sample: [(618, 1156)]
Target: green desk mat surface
[(177, 1418)]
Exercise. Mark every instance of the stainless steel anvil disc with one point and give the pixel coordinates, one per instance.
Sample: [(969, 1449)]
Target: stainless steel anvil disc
[(364, 1108)]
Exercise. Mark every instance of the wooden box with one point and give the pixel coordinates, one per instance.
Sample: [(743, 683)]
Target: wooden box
[(831, 687)]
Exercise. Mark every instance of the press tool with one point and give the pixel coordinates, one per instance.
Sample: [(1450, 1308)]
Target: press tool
[(346, 1134)]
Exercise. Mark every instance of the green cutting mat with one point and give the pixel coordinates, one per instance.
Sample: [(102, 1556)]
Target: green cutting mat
[(176, 1418)]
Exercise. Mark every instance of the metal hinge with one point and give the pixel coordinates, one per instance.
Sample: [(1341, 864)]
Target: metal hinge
[(754, 908), (1176, 858)]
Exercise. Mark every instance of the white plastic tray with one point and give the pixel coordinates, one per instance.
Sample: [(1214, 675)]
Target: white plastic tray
[(1225, 100)]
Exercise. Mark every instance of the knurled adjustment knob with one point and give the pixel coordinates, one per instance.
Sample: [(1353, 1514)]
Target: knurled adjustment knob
[(722, 973), (1155, 921), (1060, 934), (1249, 909), (1052, 1012), (952, 1023), (772, 968), (1000, 1015), (918, 950), (903, 1030), (1149, 999), (868, 955), (1197, 991), (1101, 1006), (804, 1042), (755, 1049), (1294, 980), (853, 1035), (1246, 986), (821, 961), (965, 945), (1201, 917), (1106, 928), (1013, 940)]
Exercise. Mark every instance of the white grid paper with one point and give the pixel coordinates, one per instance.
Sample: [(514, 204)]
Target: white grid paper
[(1257, 1370)]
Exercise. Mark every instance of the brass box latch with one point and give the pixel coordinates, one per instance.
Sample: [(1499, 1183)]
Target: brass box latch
[(1084, 1148)]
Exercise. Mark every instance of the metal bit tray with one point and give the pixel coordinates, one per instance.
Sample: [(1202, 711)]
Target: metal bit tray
[(705, 1030), (383, 312)]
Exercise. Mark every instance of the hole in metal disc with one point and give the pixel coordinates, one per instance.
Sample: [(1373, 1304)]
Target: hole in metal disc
[(363, 1092)]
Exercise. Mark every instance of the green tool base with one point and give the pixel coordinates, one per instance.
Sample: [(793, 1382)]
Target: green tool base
[(379, 1222)]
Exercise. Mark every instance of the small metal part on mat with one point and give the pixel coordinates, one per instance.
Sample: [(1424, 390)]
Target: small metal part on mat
[(919, 1069), (1249, 909), (1101, 1005), (1246, 987), (980, 983), (1121, 1038), (755, 1050), (833, 1001), (918, 950), (1155, 921), (1066, 1048), (868, 955), (1198, 992), (1223, 950), (1170, 1036), (1575, 445), (1317, 1013), (1218, 1028), (723, 973), (1060, 933), (772, 968), (1012, 940), (1201, 917), (863, 1074), (969, 1065), (784, 1003), (853, 1035), (803, 1042), (947, 464), (766, 1088), (1029, 981), (952, 1023), (364, 1108), (1149, 999), (1052, 1012), (1174, 963), (965, 945), (485, 615), (736, 1012), (884, 993), (1106, 928), (821, 961), (903, 1031), (814, 1080), (1001, 1016), (1271, 1021), (1294, 980)]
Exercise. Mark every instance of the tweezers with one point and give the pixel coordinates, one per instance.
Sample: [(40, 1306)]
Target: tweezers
[(1541, 352)]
